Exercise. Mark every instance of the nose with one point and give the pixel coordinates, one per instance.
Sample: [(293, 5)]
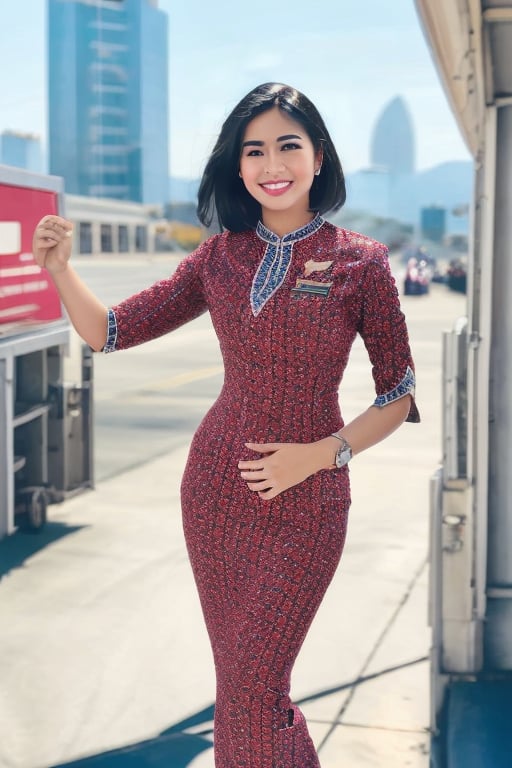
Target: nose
[(274, 165)]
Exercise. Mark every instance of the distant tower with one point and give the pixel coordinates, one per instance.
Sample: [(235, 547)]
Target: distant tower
[(393, 145), (22, 150), (108, 98)]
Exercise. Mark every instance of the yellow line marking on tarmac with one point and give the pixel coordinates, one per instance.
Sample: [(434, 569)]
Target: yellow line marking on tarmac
[(184, 378), (173, 382)]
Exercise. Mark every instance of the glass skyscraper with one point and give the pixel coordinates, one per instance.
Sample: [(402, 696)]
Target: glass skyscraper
[(22, 150), (108, 98)]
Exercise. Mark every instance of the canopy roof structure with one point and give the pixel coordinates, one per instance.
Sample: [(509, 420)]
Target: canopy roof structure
[(471, 42)]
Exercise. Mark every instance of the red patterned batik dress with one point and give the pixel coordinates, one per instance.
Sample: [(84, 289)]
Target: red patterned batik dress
[(286, 312)]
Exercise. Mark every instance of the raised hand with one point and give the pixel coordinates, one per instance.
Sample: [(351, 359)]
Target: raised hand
[(51, 244)]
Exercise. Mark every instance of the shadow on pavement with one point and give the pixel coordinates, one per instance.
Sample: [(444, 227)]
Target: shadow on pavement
[(358, 680), (171, 749), (175, 748), (18, 547), (174, 751)]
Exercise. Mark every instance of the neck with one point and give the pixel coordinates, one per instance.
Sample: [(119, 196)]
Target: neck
[(281, 224)]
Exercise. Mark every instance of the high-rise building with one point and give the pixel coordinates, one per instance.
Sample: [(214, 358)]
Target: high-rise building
[(393, 146), (433, 223), (108, 98), (22, 150)]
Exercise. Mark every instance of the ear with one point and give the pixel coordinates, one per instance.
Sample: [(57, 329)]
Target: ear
[(319, 158)]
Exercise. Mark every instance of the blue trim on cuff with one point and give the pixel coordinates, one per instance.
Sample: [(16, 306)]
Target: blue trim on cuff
[(403, 388), (110, 344)]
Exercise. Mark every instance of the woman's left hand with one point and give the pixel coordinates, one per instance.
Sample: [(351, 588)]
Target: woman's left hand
[(281, 466)]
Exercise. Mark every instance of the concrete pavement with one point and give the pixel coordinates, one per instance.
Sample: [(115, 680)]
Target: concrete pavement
[(104, 660)]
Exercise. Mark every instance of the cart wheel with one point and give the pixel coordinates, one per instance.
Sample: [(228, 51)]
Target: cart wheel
[(34, 514)]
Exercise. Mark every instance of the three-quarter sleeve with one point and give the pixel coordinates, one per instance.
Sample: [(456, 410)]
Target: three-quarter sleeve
[(159, 309), (384, 332)]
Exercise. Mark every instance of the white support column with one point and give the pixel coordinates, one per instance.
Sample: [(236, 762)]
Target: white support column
[(96, 237), (479, 349), (498, 627)]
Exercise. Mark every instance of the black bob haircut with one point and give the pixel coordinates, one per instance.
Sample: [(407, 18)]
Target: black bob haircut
[(222, 193)]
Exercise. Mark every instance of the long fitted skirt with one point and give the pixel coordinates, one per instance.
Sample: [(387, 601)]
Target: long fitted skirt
[(262, 569)]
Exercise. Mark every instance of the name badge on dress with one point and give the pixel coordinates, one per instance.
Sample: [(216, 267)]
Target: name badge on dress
[(305, 287)]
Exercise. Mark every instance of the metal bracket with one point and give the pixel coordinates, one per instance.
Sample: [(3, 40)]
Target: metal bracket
[(453, 532)]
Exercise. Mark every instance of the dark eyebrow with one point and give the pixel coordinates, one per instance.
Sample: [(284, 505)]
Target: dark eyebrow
[(255, 143)]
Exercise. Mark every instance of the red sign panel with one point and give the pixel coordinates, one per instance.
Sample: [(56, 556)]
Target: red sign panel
[(27, 294)]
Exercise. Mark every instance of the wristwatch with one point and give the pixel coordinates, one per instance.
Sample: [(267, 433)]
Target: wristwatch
[(343, 454)]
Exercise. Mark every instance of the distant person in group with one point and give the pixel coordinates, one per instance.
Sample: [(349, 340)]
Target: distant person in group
[(265, 493)]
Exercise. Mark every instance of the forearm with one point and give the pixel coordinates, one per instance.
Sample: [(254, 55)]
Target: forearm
[(375, 424), (367, 429), (282, 465), (87, 314)]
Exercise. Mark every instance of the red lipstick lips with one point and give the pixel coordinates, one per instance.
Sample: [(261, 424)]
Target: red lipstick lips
[(276, 188)]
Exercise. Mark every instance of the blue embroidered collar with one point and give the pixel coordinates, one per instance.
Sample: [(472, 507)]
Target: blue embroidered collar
[(276, 260), (298, 234)]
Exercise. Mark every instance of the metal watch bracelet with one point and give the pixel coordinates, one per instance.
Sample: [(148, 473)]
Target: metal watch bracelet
[(343, 454)]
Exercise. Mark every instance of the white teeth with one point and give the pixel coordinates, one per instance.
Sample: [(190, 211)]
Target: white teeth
[(277, 185)]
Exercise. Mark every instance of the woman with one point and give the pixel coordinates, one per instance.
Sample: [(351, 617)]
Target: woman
[(265, 493)]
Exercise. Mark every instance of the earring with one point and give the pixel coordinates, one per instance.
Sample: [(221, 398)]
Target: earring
[(240, 174), (317, 172)]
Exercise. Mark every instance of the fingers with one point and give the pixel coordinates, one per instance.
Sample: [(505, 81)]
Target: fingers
[(54, 228), (51, 244), (264, 447), (250, 465), (56, 222), (262, 486), (268, 495), (259, 482), (47, 237), (263, 489), (254, 475)]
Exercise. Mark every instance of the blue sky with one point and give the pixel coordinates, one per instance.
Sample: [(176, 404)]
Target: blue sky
[(349, 56)]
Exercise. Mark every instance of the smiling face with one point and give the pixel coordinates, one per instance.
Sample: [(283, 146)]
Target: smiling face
[(277, 165)]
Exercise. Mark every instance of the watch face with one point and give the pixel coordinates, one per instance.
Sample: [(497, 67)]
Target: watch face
[(343, 456)]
